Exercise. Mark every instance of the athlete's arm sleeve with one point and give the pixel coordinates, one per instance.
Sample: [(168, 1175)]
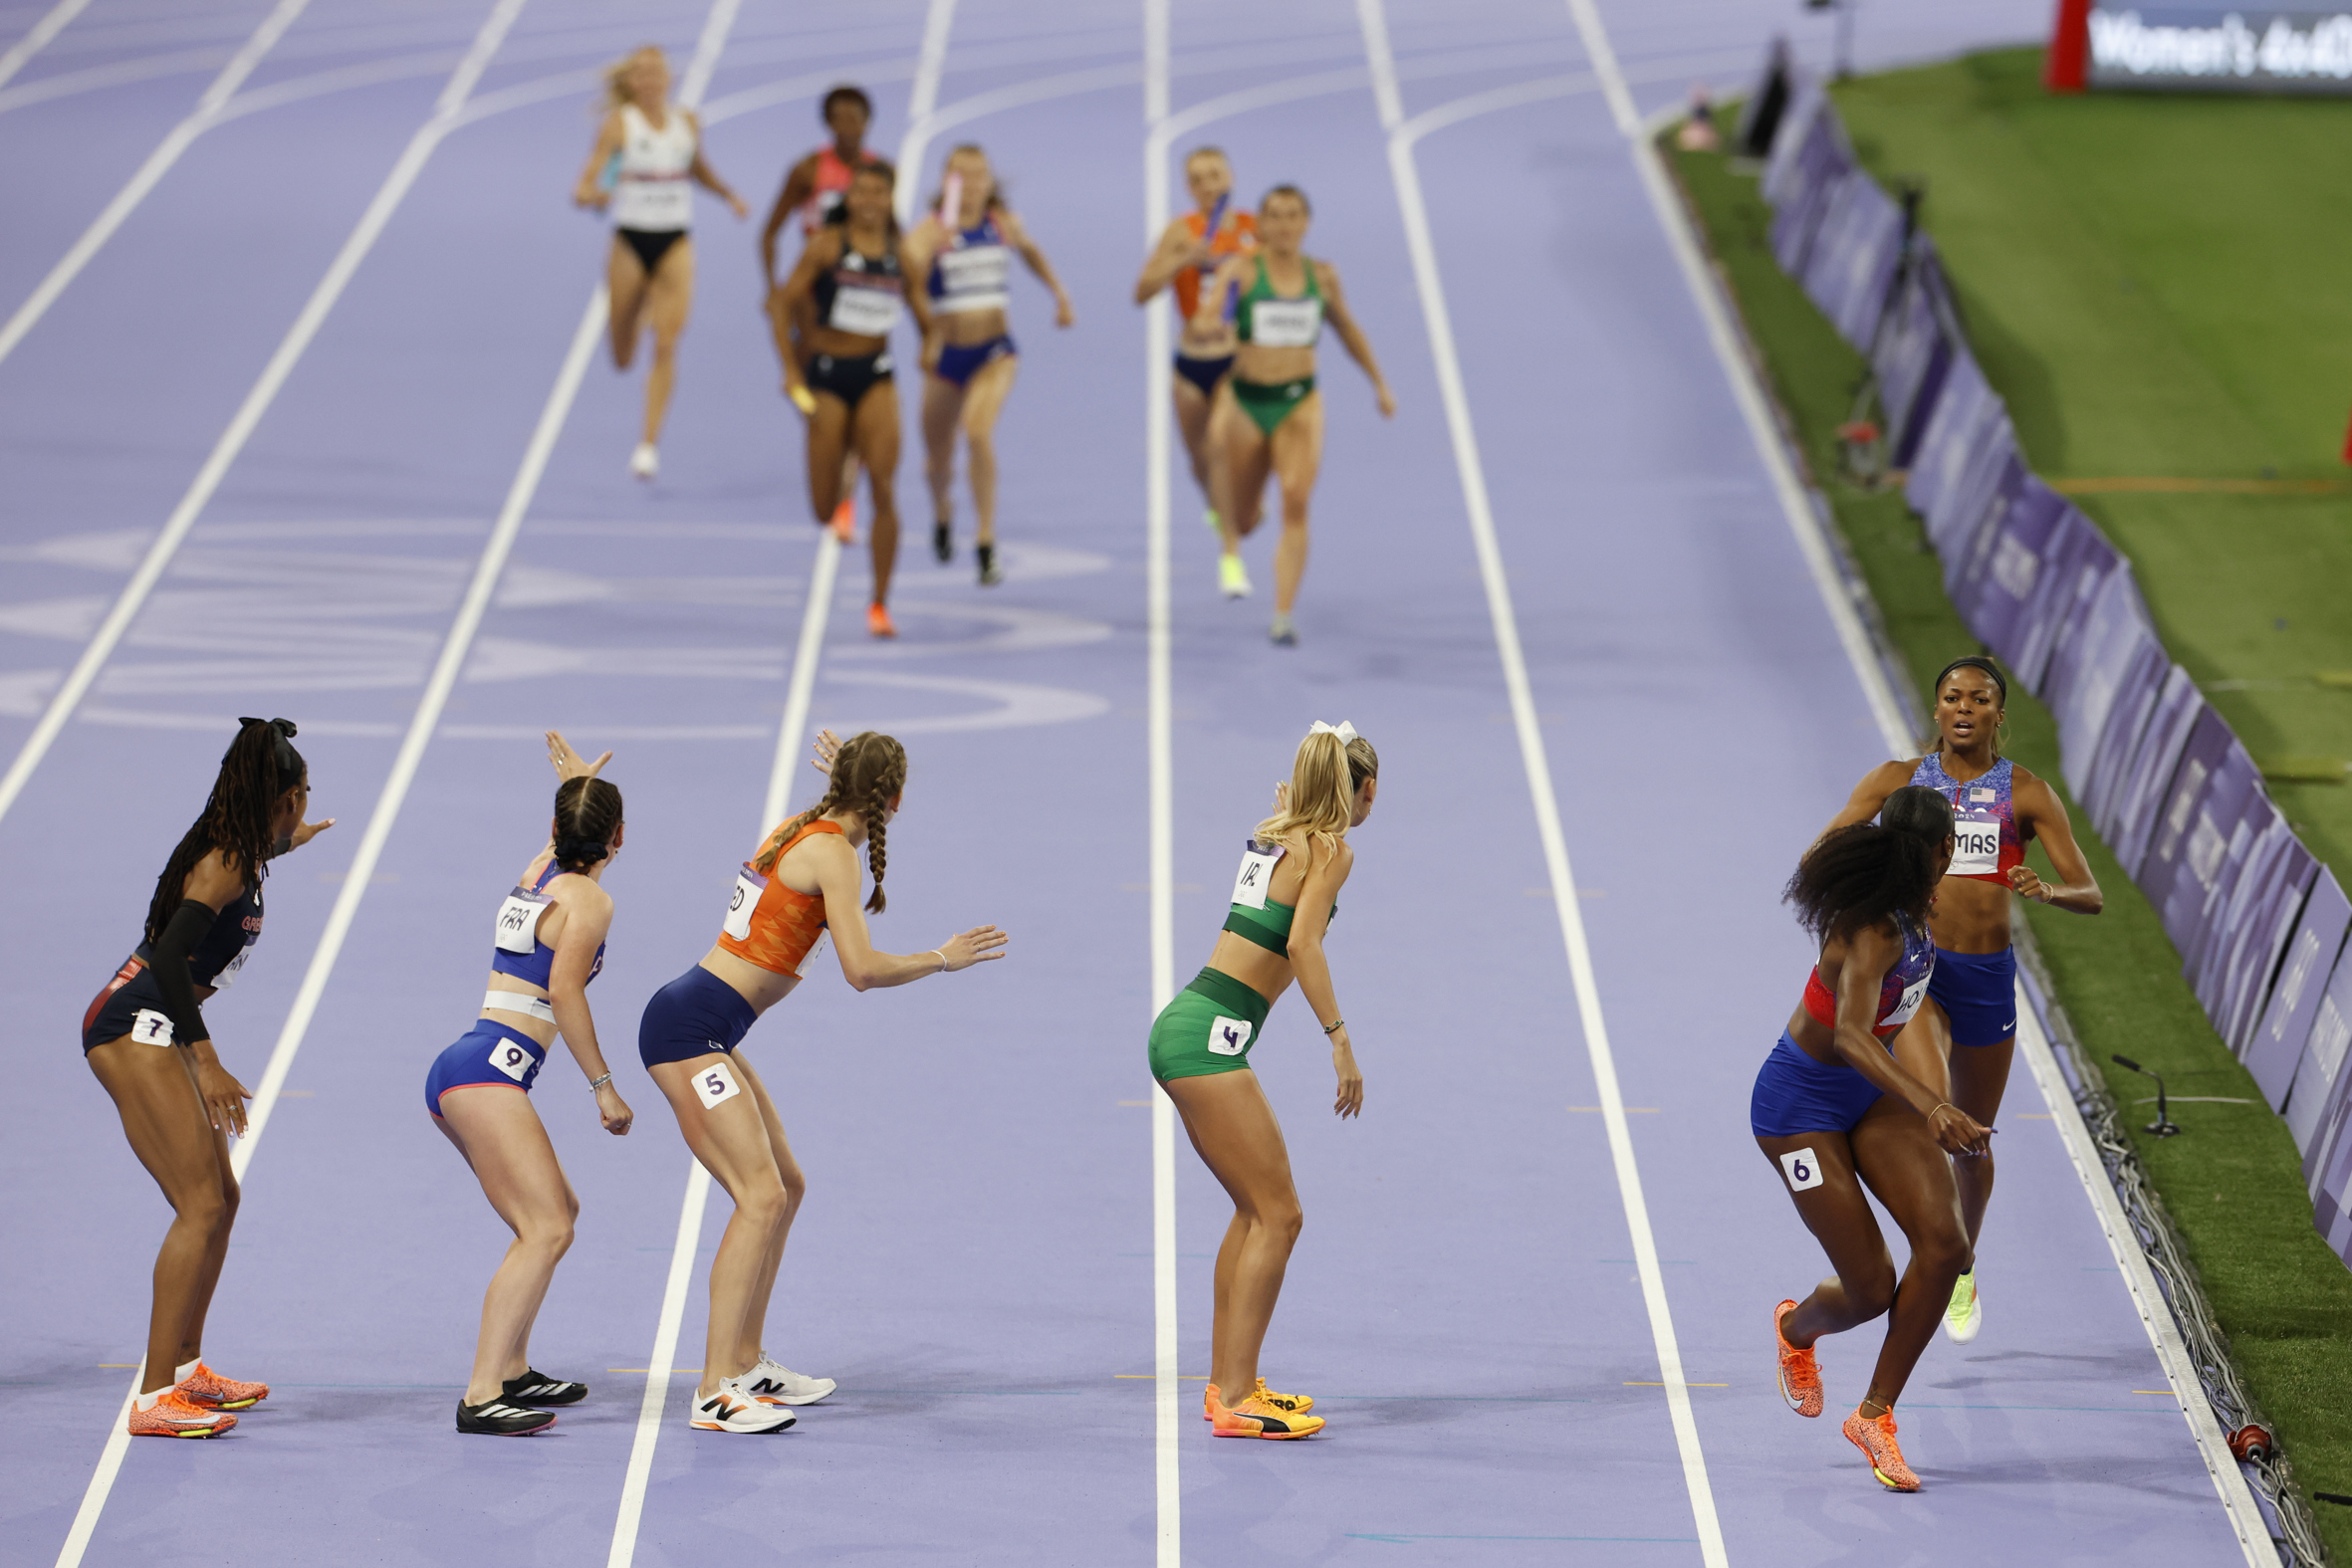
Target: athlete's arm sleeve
[(186, 928)]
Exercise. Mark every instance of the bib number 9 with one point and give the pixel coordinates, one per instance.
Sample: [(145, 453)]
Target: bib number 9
[(716, 1084), (1801, 1168), (512, 1060)]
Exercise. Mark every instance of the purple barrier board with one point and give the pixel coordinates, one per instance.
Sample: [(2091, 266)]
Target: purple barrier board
[(1913, 356), (1853, 258), (2246, 865), (2275, 1051), (2127, 721), (2100, 655), (2183, 898), (2320, 1077), (1823, 168), (1973, 526), (1962, 506), (2270, 909), (2210, 744), (2331, 1174), (2014, 549), (1948, 440), (2079, 557), (1806, 107), (2148, 778)]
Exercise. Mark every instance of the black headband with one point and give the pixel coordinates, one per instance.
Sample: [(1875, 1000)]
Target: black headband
[(1969, 662), (286, 759)]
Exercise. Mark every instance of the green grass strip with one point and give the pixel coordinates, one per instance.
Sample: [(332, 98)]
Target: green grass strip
[(2234, 1183)]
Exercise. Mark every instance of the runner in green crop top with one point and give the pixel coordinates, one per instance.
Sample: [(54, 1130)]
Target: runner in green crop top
[(1269, 419), (1290, 874)]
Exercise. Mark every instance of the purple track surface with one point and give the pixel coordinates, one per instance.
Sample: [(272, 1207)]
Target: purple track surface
[(973, 1262)]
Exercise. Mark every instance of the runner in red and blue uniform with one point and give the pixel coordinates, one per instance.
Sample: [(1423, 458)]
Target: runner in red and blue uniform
[(1969, 1030), (1835, 1111)]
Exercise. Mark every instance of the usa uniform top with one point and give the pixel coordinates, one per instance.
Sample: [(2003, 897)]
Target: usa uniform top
[(653, 194), (974, 270), (1984, 819), (860, 294), (1899, 995), (518, 951), (770, 925)]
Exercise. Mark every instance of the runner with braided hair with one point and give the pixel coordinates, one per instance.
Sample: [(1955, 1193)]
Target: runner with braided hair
[(145, 1037), (801, 886)]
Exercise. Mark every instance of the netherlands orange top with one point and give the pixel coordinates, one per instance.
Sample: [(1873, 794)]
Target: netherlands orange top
[(769, 924), (1239, 235)]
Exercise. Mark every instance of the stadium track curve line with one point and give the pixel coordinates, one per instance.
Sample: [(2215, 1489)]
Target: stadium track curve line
[(158, 163), (37, 37), (1402, 134)]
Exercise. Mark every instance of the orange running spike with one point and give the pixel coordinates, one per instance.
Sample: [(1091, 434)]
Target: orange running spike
[(1875, 1437), (844, 523), (207, 1387), (174, 1417), (878, 621), (1800, 1374), (1255, 1418)]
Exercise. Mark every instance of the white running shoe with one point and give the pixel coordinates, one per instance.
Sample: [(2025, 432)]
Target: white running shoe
[(644, 462), (773, 1381), (732, 1408), (1965, 1314)]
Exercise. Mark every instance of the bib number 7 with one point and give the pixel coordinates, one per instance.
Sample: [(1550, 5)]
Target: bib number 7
[(715, 1083)]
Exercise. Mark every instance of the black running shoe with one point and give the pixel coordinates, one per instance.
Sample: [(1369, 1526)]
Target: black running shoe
[(989, 576), (537, 1388), (943, 541), (497, 1419)]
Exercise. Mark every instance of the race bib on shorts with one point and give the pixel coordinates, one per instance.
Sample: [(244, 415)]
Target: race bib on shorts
[(1256, 875), (517, 921), (749, 885), (1976, 847), (1230, 1036), (716, 1084), (1909, 1004), (512, 1059), (151, 1028), (1285, 323), (1801, 1168), (867, 311)]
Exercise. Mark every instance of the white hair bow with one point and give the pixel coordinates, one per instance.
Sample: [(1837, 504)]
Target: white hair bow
[(1344, 730)]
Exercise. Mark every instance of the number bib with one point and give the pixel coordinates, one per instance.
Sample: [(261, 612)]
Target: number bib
[(749, 885), (512, 1059), (517, 921), (867, 311), (716, 1084), (1229, 1037), (1255, 877), (1977, 850), (1285, 323), (228, 972), (1802, 1169), (151, 1028), (1913, 995)]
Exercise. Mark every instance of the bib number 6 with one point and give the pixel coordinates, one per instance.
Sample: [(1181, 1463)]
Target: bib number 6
[(1801, 1168), (716, 1084)]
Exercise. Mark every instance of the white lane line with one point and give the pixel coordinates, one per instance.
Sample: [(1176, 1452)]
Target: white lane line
[(50, 24), (2237, 1498), (1401, 137), (1167, 1409), (930, 65), (167, 152), (388, 196), (93, 78)]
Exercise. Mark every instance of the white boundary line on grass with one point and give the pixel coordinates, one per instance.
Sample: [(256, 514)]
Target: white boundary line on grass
[(388, 196), (1402, 134), (2237, 1499), (134, 190), (37, 39)]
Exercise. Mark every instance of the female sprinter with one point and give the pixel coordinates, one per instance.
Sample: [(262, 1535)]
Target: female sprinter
[(802, 883), (657, 148), (145, 1038), (1967, 1032), (1284, 899), (967, 351), (549, 943), (1835, 1112), (813, 187), (1187, 255), (1269, 417), (850, 275)]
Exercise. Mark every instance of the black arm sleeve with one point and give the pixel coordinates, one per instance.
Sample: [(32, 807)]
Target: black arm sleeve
[(186, 928)]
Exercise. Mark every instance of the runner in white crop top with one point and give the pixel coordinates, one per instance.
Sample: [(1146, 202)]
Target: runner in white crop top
[(647, 158)]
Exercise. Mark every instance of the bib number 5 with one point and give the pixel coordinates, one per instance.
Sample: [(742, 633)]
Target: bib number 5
[(716, 1084)]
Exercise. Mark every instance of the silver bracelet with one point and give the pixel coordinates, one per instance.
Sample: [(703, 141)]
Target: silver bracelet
[(942, 968), (596, 1083)]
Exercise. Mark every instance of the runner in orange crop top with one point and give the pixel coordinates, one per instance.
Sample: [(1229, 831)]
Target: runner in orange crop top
[(1188, 252), (804, 883)]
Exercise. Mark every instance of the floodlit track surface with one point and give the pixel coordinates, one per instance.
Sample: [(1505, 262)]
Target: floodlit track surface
[(975, 1262)]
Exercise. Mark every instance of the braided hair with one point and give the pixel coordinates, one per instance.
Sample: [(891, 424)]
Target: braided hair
[(259, 765), (588, 813), (867, 774), (1862, 874)]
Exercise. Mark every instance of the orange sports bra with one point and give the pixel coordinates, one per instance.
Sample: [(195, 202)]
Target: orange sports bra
[(1239, 235), (769, 924)]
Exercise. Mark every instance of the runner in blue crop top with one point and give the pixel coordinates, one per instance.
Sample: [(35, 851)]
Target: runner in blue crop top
[(1836, 1110), (547, 945), (1968, 1029)]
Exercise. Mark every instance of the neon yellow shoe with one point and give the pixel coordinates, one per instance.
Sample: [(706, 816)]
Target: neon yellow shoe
[(1289, 1404), (1232, 579), (1964, 1315)]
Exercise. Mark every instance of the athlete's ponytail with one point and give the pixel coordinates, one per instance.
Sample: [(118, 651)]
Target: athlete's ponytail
[(259, 765), (1862, 874), (1326, 775), (868, 772), (588, 815)]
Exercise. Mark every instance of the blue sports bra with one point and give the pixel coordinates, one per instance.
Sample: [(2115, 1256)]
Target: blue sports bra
[(516, 948)]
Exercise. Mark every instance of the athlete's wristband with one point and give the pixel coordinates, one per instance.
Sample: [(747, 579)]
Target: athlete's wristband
[(596, 1083), (942, 968)]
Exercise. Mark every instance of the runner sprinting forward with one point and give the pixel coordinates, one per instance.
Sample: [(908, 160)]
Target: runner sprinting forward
[(813, 189), (1269, 417), (1283, 898), (1967, 1032), (646, 162), (1188, 254), (1835, 1111), (802, 883), (849, 285), (968, 352), (547, 945), (145, 1038)]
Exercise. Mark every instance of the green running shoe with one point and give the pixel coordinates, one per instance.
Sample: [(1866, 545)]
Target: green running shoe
[(1963, 1316)]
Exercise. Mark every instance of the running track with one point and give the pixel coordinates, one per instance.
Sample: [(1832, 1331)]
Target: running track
[(976, 1262)]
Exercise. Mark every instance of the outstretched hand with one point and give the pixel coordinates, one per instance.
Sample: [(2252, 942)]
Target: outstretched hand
[(567, 762), (976, 946), (827, 746), (307, 831)]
